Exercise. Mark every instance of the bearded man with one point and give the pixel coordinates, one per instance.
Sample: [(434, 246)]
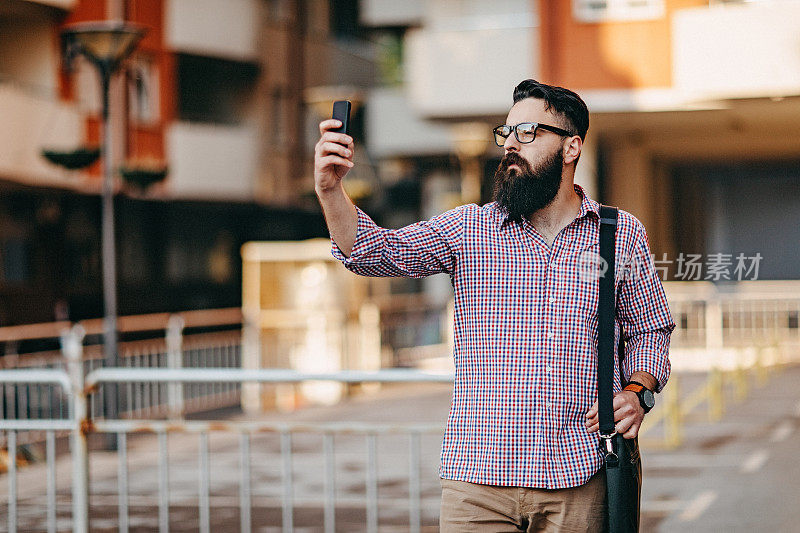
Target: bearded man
[(519, 450)]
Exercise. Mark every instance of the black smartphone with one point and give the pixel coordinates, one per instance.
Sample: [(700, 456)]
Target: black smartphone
[(341, 112)]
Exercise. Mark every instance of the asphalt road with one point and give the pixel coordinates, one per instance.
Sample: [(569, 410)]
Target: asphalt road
[(739, 474)]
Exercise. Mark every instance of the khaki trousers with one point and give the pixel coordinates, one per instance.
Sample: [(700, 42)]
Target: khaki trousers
[(486, 508)]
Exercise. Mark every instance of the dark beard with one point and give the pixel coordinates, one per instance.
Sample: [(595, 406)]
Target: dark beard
[(522, 192)]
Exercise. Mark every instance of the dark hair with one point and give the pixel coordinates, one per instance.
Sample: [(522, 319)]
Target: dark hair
[(566, 104)]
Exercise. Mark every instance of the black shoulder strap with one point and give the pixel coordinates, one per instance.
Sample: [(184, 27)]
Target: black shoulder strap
[(605, 322)]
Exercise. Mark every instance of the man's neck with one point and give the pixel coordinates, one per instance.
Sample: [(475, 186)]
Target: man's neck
[(562, 210)]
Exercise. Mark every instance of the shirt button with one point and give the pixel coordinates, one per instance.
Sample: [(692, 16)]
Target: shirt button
[(551, 334), (549, 368), (551, 299)]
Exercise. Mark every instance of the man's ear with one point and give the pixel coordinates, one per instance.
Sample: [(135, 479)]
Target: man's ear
[(572, 149)]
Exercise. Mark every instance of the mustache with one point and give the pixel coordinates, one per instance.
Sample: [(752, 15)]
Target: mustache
[(513, 158)]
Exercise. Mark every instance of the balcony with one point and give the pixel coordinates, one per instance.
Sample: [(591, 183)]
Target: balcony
[(33, 120), (737, 51), (212, 161), (61, 4), (469, 71), (219, 28), (394, 129), (391, 12)]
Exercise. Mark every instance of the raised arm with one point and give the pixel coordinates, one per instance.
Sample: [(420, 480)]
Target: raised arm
[(421, 249), (333, 159)]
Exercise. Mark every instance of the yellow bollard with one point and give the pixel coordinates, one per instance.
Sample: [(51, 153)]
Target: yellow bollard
[(775, 360), (716, 395), (672, 415), (761, 366), (740, 380)]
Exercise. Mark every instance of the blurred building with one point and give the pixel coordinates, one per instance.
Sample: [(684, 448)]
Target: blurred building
[(216, 92), (695, 129), (695, 124)]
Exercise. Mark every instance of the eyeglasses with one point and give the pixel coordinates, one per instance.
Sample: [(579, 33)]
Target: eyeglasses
[(525, 132)]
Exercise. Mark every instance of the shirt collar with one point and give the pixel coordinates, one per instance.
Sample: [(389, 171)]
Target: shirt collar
[(588, 205)]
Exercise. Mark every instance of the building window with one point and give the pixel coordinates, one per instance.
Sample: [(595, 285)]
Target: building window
[(14, 259), (617, 10), (344, 17), (390, 58), (144, 92), (215, 90)]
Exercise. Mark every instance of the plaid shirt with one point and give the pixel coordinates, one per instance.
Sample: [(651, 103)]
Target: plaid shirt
[(525, 334)]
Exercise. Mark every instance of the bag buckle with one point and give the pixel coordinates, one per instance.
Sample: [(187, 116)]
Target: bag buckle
[(607, 448)]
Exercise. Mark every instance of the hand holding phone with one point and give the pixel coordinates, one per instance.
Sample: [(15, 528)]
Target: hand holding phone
[(333, 156)]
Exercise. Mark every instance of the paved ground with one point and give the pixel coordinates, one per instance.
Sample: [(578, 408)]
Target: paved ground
[(738, 474)]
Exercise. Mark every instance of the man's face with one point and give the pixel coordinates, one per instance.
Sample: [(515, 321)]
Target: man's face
[(529, 175)]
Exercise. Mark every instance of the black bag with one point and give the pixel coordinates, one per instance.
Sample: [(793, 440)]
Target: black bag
[(621, 456)]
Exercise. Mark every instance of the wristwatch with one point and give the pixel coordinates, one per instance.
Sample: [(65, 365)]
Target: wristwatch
[(646, 397)]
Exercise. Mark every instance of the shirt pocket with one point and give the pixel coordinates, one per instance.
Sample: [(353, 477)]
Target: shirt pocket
[(582, 269)]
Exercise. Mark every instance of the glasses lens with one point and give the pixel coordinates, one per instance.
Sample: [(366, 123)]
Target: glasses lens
[(501, 133), (526, 132)]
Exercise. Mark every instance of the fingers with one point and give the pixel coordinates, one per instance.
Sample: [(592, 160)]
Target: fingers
[(329, 124), (628, 415), (332, 148), (627, 426), (592, 422), (330, 152), (628, 432), (338, 138), (623, 424), (632, 432), (325, 132), (334, 160)]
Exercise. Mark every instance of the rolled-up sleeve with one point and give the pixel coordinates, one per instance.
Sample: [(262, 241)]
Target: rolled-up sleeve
[(644, 315), (420, 249)]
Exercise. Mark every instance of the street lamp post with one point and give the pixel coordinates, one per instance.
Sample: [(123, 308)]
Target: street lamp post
[(106, 45)]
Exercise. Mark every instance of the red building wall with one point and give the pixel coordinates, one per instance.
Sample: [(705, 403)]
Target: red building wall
[(606, 55)]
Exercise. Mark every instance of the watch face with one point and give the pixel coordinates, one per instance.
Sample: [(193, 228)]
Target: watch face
[(649, 398)]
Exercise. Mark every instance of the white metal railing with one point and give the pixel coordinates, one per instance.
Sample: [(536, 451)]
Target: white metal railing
[(71, 384), (199, 495), (717, 326), (81, 425), (175, 349)]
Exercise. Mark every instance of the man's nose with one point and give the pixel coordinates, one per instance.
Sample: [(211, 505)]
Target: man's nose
[(511, 144)]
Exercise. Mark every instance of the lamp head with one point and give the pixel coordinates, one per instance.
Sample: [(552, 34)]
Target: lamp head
[(105, 43)]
